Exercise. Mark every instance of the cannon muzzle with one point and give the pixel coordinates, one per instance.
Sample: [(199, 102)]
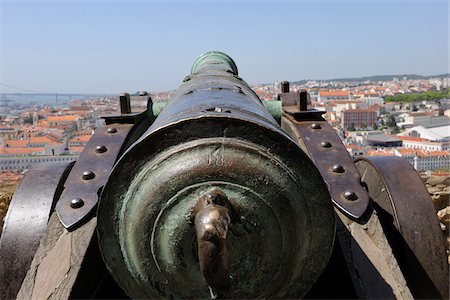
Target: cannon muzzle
[(159, 234)]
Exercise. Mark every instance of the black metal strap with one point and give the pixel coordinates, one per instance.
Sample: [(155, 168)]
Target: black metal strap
[(334, 164), (90, 173), (26, 221)]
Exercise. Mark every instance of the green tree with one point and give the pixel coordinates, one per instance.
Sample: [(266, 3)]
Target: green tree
[(430, 95), (396, 129), (351, 127), (390, 121)]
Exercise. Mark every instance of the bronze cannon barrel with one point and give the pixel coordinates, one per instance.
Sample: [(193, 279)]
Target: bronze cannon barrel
[(215, 199)]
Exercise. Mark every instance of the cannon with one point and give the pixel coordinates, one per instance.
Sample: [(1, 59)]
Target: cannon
[(217, 194)]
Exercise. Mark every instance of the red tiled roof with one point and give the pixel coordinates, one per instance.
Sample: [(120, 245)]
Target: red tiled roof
[(78, 149), (406, 151), (356, 147), (360, 110), (42, 140), (21, 150), (334, 93), (68, 118), (16, 143), (81, 138), (410, 138), (379, 153)]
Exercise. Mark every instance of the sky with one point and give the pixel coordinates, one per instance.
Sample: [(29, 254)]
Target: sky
[(126, 46)]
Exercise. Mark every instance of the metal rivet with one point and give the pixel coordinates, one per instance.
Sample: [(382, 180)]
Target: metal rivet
[(76, 203), (111, 130), (338, 169), (325, 144), (100, 149), (88, 175), (351, 196), (315, 126)]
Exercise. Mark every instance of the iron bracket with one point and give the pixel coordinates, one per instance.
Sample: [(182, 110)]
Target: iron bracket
[(26, 222), (90, 173), (331, 158)]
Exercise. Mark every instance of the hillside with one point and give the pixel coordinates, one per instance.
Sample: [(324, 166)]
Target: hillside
[(375, 78)]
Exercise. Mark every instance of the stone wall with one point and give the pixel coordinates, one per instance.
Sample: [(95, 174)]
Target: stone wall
[(438, 186)]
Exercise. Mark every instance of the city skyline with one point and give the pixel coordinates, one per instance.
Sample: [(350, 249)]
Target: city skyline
[(115, 46)]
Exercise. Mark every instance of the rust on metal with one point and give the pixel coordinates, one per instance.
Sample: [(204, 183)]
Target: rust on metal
[(125, 103), (408, 216), (285, 86), (303, 104), (90, 173), (26, 221), (344, 182)]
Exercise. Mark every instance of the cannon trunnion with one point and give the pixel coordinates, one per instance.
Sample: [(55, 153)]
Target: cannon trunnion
[(222, 195)]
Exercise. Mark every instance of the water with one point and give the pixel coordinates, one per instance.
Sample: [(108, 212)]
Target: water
[(43, 99)]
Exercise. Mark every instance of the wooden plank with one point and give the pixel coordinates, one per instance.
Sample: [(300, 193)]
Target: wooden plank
[(371, 243), (57, 262)]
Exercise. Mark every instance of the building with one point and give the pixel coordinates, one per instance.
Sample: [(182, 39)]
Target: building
[(358, 118), (424, 144), (440, 133), (79, 140), (382, 140), (23, 162), (423, 118), (342, 105), (333, 95), (355, 150), (370, 101), (423, 160)]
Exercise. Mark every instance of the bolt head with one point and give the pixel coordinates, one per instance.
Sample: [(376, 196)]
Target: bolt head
[(315, 126), (325, 144), (101, 149), (338, 169), (76, 203), (111, 130), (350, 195), (88, 175)]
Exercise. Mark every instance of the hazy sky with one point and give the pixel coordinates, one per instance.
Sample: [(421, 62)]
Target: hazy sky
[(115, 46)]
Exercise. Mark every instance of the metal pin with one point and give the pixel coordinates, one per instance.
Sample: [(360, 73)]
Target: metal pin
[(76, 203), (303, 100), (338, 169), (325, 144), (111, 130), (285, 86), (315, 126), (88, 175), (101, 149), (351, 196), (125, 103)]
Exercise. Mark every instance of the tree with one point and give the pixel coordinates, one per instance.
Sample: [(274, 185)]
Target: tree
[(28, 120), (375, 126), (351, 127), (396, 129), (390, 120)]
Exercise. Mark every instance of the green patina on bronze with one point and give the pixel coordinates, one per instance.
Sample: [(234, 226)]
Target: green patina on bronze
[(216, 58), (215, 134)]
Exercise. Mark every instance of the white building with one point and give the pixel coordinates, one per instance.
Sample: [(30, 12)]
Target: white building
[(424, 144), (425, 119), (25, 162), (370, 101), (440, 133), (425, 160)]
